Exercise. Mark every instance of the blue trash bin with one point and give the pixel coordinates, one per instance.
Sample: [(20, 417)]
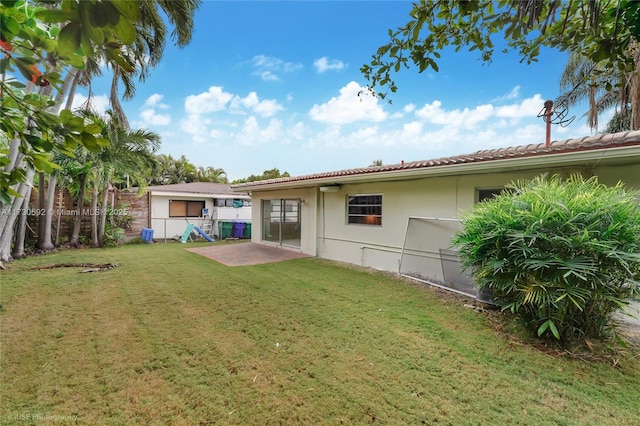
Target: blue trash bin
[(147, 235), (238, 229)]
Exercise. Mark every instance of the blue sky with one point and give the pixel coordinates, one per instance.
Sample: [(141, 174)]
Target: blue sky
[(274, 84)]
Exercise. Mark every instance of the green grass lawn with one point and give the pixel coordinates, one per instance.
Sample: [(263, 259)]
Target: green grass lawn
[(172, 338)]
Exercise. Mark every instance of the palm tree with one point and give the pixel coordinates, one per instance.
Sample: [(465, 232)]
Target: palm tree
[(159, 174), (211, 174), (80, 169), (129, 152), (584, 80), (45, 204), (146, 52), (141, 56)]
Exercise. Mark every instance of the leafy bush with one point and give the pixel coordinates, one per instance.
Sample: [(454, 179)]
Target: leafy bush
[(115, 224), (112, 235), (564, 255)]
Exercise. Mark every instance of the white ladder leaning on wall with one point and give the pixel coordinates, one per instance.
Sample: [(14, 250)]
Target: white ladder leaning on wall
[(207, 222), (207, 225)]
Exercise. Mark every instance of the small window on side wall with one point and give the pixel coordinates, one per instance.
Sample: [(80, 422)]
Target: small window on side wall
[(184, 208), (364, 209), (487, 194)]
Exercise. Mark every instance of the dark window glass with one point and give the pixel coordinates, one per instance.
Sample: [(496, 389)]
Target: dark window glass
[(184, 208), (487, 194), (364, 209)]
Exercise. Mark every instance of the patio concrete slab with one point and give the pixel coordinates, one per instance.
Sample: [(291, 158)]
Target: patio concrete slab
[(244, 254)]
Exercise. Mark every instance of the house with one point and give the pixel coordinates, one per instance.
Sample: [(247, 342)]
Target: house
[(206, 205), (401, 217)]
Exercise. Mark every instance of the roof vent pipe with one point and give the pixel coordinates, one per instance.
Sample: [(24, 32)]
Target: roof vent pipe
[(548, 110), (556, 115)]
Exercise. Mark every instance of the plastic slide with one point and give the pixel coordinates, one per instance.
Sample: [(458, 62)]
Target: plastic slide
[(187, 232), (204, 234)]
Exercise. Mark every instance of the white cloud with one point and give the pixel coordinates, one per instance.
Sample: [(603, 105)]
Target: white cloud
[(196, 126), (409, 108), (346, 131), (151, 118), (265, 108), (354, 104), (412, 129), (327, 64), (527, 108), (434, 113), (266, 62), (485, 115), (252, 134), (513, 94), (296, 132), (154, 101), (215, 99), (268, 67), (267, 75), (251, 126)]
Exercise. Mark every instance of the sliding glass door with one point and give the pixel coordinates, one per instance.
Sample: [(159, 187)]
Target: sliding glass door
[(281, 221)]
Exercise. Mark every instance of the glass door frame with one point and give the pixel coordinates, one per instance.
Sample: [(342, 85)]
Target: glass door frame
[(288, 218)]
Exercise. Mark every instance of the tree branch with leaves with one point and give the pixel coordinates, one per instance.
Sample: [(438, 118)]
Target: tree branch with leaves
[(599, 30)]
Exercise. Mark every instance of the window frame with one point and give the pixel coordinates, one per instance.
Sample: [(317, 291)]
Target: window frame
[(488, 193), (367, 218), (201, 205)]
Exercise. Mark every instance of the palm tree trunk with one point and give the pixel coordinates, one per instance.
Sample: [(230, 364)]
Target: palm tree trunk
[(77, 219), (42, 202), (47, 244), (114, 99), (58, 218), (10, 215), (94, 215), (103, 215), (9, 212), (68, 88), (21, 229)]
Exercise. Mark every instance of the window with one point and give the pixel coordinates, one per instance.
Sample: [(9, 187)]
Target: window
[(364, 209), (184, 208), (231, 202), (487, 194), (281, 220)]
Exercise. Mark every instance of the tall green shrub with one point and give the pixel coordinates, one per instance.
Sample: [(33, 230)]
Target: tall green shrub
[(564, 255)]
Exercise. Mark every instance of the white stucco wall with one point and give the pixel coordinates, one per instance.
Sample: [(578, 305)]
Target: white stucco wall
[(326, 234), (308, 216), (173, 227)]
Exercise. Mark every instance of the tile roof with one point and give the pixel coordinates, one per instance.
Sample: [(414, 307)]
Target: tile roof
[(587, 143), (195, 188)]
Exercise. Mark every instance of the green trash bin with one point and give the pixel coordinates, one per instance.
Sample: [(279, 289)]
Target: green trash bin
[(247, 230), (225, 229)]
